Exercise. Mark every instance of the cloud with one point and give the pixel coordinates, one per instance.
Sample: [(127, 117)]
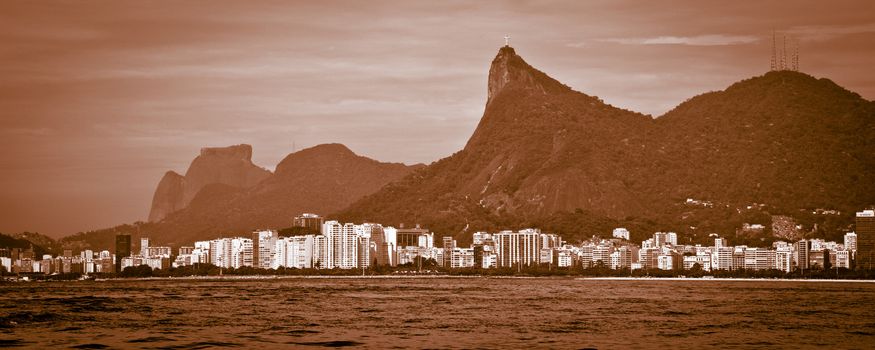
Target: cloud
[(824, 33), (698, 40)]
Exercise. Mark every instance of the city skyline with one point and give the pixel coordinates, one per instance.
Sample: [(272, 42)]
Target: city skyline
[(370, 246), (96, 113), (455, 174)]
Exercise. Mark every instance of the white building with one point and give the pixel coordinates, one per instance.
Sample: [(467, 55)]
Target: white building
[(157, 252), (482, 238), (299, 251), (602, 253), (341, 245), (816, 244), (264, 243), (665, 262), (490, 260), (144, 247), (671, 238), (784, 259), (220, 252), (759, 259), (621, 258), (462, 258), (564, 259), (513, 248), (703, 259), (280, 253), (201, 252), (851, 241), (6, 263), (621, 233), (721, 258)]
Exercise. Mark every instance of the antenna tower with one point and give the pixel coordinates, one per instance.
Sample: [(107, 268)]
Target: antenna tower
[(784, 53), (774, 63), (796, 55)]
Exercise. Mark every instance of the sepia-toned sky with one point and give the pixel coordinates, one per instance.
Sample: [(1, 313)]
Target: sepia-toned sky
[(99, 98)]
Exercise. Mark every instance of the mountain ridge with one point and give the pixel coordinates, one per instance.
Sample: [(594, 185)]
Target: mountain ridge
[(323, 178), (545, 155), (542, 149), (230, 165)]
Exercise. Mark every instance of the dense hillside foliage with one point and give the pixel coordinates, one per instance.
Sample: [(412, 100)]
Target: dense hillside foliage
[(547, 156)]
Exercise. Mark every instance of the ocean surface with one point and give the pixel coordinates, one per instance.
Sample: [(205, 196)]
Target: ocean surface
[(384, 313)]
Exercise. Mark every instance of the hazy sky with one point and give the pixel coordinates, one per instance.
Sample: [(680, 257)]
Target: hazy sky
[(99, 99)]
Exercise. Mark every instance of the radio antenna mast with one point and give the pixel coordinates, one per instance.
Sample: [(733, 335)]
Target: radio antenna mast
[(774, 63)]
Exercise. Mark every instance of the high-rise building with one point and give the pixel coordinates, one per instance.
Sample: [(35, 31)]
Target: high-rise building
[(320, 250), (122, 250), (382, 253), (341, 245), (621, 259), (144, 247), (263, 245), (647, 257), (515, 248), (299, 251), (851, 241), (659, 239), (312, 222), (478, 251), (220, 252), (602, 253), (671, 238), (448, 244), (665, 262), (390, 234), (157, 252), (550, 240), (242, 253), (866, 239), (784, 259), (738, 257), (802, 252), (703, 259), (461, 258), (414, 237), (201, 253), (759, 259), (364, 249)]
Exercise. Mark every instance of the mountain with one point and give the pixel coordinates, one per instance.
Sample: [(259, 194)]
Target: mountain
[(321, 179), (548, 156), (41, 244), (234, 199), (220, 165), (784, 138)]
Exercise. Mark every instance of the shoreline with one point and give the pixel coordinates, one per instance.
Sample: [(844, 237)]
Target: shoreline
[(396, 277), (722, 279)]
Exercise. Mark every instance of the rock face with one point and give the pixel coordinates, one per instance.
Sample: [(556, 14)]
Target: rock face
[(168, 197), (230, 166), (542, 149), (234, 200)]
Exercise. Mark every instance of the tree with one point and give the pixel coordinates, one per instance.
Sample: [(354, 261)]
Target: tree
[(137, 271)]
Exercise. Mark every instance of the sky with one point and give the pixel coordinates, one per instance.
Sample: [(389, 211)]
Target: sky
[(98, 99)]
